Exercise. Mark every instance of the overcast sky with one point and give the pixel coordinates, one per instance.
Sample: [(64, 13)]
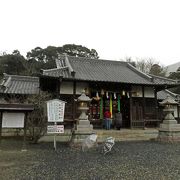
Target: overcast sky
[(115, 28)]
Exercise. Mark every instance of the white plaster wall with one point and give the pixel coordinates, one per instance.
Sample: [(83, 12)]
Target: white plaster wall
[(80, 86), (66, 88), (136, 91), (13, 120), (149, 92)]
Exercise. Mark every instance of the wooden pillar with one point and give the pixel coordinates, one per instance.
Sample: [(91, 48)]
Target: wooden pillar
[(110, 104), (74, 103), (130, 101), (156, 104), (101, 108), (144, 106), (1, 114), (25, 129), (58, 88), (178, 106)]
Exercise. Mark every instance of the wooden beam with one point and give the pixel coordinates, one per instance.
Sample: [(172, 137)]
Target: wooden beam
[(16, 107)]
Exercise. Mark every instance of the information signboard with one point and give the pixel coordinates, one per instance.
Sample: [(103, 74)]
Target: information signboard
[(55, 110)]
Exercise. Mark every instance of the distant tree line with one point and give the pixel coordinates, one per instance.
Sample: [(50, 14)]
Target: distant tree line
[(39, 58), (148, 66)]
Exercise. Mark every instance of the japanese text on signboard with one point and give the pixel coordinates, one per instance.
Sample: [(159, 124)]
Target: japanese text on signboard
[(55, 110)]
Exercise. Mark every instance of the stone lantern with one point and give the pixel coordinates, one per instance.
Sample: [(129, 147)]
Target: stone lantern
[(169, 130), (83, 127), (83, 101), (168, 104)]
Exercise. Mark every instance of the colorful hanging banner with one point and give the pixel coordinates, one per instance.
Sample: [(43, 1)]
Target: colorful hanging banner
[(101, 108), (110, 104), (119, 103)]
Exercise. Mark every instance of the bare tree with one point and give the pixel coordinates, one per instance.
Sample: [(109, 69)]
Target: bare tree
[(130, 61), (145, 65), (37, 120), (158, 70), (151, 66)]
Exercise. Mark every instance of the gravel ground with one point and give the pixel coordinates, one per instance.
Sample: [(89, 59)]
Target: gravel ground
[(127, 160)]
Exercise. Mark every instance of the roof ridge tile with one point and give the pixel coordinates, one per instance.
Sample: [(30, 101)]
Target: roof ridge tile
[(54, 69)]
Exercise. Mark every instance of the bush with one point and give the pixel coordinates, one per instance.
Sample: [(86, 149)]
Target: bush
[(36, 125), (37, 119)]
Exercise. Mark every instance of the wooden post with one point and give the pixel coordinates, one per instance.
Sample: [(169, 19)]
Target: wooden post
[(130, 100), (144, 106), (58, 87), (55, 124), (178, 106), (74, 103), (25, 128), (110, 104), (1, 114), (156, 104)]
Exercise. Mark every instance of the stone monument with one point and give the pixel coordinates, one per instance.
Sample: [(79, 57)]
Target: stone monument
[(83, 128), (169, 130)]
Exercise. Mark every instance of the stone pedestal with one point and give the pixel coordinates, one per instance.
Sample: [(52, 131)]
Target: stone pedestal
[(81, 131), (84, 126), (169, 131)]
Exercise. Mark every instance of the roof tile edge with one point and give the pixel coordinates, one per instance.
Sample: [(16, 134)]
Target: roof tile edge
[(140, 72), (164, 78), (71, 71)]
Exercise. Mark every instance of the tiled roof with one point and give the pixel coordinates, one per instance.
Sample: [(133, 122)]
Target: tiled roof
[(98, 70), (14, 84), (164, 93), (163, 80), (57, 72)]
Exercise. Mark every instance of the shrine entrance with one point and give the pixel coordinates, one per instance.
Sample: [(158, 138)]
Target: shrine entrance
[(112, 102)]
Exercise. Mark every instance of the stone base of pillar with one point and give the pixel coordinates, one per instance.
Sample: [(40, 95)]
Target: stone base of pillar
[(82, 130), (169, 133), (84, 126), (169, 136), (79, 137)]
